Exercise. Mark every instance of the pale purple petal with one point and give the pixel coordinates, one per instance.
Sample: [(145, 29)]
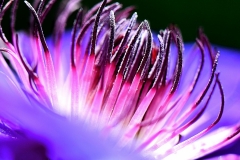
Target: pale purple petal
[(62, 139)]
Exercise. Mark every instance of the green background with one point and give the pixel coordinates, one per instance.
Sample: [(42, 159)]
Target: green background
[(218, 18)]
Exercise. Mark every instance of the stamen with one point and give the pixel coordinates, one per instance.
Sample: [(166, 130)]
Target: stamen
[(48, 60), (46, 50), (46, 9), (156, 54), (130, 49), (13, 18), (111, 37), (145, 70), (62, 19), (167, 39), (77, 22), (199, 71), (115, 58), (179, 66), (95, 28), (33, 21), (136, 60), (148, 51), (205, 41), (211, 78), (159, 62)]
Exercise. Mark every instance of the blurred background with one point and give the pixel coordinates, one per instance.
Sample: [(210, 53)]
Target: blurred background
[(219, 18)]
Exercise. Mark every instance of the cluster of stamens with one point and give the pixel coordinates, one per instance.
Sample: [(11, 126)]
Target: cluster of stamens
[(116, 75)]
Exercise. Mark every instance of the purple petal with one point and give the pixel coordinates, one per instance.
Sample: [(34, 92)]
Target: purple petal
[(21, 149), (63, 139)]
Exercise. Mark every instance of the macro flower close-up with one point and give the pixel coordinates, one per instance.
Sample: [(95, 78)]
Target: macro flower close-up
[(111, 88)]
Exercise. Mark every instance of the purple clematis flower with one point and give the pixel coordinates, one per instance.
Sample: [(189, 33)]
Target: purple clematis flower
[(114, 90)]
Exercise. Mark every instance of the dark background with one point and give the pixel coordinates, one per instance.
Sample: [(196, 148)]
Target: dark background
[(218, 18)]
